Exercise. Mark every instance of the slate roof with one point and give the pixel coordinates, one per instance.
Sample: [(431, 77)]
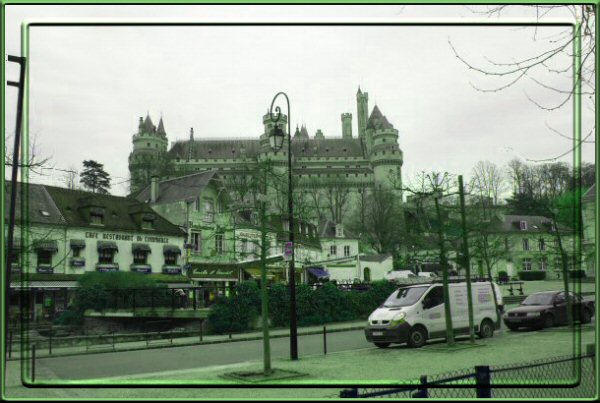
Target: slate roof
[(327, 230), (539, 224), (378, 121), (148, 125), (39, 200), (183, 188), (118, 211), (161, 127), (327, 147)]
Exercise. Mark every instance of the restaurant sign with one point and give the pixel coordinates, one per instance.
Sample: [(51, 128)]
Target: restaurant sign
[(224, 273)]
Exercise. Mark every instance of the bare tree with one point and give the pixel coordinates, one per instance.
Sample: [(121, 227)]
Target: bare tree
[(69, 177), (552, 60), (487, 182), (35, 162)]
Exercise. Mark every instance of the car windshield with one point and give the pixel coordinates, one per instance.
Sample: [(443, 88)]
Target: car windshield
[(538, 299), (404, 297)]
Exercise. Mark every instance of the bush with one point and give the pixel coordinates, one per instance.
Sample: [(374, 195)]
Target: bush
[(236, 313), (532, 275), (577, 274), (69, 318), (279, 305)]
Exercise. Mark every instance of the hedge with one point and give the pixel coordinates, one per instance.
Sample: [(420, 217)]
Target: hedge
[(532, 275), (326, 304), (577, 274)]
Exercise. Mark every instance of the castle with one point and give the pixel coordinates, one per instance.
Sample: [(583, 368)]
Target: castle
[(351, 163)]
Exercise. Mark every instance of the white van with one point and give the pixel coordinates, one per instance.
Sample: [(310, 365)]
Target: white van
[(416, 313)]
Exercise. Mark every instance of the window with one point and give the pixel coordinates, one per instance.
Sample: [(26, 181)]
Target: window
[(333, 250), (76, 252), (523, 225), (147, 224), (96, 219), (140, 257), (339, 231), (542, 244), (544, 264), (219, 243), (526, 264), (106, 256), (347, 250), (209, 210), (244, 246), (506, 244), (525, 244), (434, 298), (171, 258), (44, 258), (196, 242), (197, 204)]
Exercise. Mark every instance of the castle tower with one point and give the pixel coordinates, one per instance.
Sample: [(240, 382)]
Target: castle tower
[(149, 147), (362, 106), (384, 153), (347, 125), (269, 124)]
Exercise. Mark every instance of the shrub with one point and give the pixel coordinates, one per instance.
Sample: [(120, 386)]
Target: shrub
[(577, 274), (237, 312), (532, 275), (69, 318), (279, 305)]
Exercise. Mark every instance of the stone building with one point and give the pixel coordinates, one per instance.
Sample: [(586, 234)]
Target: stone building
[(348, 163)]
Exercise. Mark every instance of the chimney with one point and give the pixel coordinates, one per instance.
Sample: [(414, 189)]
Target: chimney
[(153, 189)]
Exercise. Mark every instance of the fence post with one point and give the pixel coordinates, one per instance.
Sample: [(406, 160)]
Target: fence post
[(325, 340), (33, 363), (200, 330), (10, 339), (422, 392), (349, 393), (172, 299), (50, 343), (482, 379)]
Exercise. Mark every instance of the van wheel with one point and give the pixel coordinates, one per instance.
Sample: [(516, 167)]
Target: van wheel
[(382, 345), (417, 337), (486, 329)]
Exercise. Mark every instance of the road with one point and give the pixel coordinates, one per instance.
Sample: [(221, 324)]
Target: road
[(92, 366)]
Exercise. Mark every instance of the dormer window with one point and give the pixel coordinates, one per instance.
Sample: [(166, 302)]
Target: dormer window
[(44, 213), (96, 219), (523, 225), (339, 231), (147, 224)]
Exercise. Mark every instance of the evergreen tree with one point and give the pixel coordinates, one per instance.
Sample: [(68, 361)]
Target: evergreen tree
[(94, 177)]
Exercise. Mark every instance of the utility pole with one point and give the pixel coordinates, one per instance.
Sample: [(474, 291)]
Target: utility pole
[(466, 258), (13, 189)]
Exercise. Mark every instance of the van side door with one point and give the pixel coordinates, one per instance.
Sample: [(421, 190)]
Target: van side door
[(433, 312)]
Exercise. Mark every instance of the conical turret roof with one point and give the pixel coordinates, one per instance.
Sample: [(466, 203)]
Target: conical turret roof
[(148, 125), (304, 132), (378, 121), (161, 127)]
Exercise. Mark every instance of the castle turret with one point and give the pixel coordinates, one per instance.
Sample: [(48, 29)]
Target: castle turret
[(149, 147), (362, 106), (383, 150), (347, 125), (269, 124)]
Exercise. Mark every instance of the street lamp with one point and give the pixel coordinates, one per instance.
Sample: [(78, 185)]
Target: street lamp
[(276, 137)]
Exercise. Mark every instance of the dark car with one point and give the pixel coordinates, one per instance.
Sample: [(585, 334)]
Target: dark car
[(546, 309)]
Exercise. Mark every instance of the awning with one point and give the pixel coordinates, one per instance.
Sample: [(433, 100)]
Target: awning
[(77, 243), (44, 284), (49, 246), (318, 272), (171, 249), (140, 247), (107, 245)]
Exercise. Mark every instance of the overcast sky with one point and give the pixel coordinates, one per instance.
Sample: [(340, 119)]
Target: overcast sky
[(90, 85)]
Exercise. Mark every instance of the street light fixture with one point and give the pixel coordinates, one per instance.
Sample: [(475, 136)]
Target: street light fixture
[(276, 137)]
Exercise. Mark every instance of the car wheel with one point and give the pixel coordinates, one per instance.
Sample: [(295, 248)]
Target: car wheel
[(383, 345), (586, 316), (417, 337), (486, 329), (512, 327), (548, 321)]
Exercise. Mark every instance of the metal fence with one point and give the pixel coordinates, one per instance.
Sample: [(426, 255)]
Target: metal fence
[(559, 377)]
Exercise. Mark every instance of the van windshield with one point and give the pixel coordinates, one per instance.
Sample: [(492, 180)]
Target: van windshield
[(404, 297)]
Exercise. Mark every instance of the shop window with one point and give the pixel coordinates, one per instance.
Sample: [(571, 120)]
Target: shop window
[(106, 256), (140, 257), (44, 257)]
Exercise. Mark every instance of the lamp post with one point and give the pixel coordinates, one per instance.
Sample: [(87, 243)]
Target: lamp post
[(276, 137)]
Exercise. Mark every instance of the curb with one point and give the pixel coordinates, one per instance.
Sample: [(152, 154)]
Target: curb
[(188, 344)]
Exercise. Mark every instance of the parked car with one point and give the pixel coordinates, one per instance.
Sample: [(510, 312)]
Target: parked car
[(546, 309), (416, 313)]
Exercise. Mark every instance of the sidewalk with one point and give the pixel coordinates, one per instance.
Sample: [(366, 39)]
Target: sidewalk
[(42, 352)]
